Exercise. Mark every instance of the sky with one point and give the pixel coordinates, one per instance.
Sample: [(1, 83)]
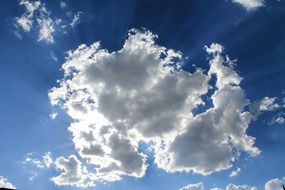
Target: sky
[(142, 94)]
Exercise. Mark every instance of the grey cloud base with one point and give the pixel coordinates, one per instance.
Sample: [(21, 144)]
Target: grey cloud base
[(141, 94)]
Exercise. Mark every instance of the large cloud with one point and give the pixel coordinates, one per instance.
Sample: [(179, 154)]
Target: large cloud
[(140, 94)]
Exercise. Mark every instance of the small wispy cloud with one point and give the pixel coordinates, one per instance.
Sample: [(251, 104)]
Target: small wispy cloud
[(36, 163), (37, 17), (235, 172), (53, 115)]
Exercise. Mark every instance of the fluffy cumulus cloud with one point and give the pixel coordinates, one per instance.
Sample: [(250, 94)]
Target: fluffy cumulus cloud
[(195, 186), (250, 4), (39, 18), (140, 94), (4, 183)]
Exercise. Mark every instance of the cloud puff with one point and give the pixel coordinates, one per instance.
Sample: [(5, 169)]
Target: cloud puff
[(196, 186), (4, 183), (235, 172), (278, 119), (274, 184), (73, 172), (45, 161), (240, 187), (268, 104), (37, 16), (200, 186), (34, 163), (250, 4), (140, 94)]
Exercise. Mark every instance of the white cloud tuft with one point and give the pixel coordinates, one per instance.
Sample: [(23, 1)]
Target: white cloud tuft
[(63, 4), (45, 161), (266, 104), (4, 183), (39, 18), (35, 164), (274, 184), (140, 93), (76, 19), (196, 186), (235, 172), (25, 22), (46, 29), (240, 187), (53, 115), (250, 5), (73, 172), (280, 120)]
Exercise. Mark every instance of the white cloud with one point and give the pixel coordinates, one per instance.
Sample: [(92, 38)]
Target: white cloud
[(35, 163), (46, 29), (4, 183), (235, 172), (25, 22), (195, 186), (73, 172), (140, 93), (240, 187), (280, 120), (39, 18), (266, 104), (45, 161), (216, 188), (76, 19), (250, 4), (274, 184), (36, 12), (53, 115), (63, 4)]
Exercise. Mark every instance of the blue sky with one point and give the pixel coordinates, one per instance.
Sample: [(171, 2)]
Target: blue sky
[(178, 94)]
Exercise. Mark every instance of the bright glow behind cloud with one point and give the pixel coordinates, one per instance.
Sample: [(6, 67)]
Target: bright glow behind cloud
[(140, 93)]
